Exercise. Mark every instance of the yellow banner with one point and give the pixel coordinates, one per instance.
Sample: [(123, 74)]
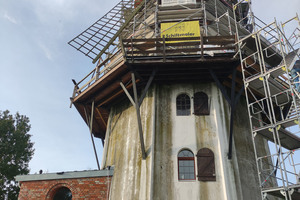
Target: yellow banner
[(182, 29)]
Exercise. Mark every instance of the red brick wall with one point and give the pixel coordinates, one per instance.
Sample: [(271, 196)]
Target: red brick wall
[(81, 188)]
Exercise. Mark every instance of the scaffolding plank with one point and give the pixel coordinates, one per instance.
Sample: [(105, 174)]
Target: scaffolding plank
[(287, 139), (277, 193), (291, 58)]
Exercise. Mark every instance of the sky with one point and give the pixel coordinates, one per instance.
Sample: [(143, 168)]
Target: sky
[(37, 65)]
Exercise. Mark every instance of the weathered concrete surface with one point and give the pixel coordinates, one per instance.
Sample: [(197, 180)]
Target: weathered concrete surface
[(192, 132), (163, 180), (157, 176), (131, 174), (245, 157)]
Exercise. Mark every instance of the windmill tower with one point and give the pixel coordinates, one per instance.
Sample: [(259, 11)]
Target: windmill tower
[(174, 87)]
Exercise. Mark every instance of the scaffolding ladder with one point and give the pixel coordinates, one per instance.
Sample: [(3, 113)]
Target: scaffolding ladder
[(267, 57)]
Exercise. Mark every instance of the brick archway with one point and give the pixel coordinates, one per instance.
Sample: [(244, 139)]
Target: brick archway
[(53, 189), (84, 184)]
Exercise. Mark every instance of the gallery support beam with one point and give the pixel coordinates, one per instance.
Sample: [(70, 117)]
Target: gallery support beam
[(233, 100), (137, 103), (138, 115), (90, 124)]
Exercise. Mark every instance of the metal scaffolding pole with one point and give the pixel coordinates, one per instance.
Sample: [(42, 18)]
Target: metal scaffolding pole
[(269, 80)]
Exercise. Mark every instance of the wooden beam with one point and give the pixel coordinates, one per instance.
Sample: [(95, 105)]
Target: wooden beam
[(147, 87), (127, 94), (91, 131), (101, 117), (114, 95), (138, 115), (232, 110), (220, 86)]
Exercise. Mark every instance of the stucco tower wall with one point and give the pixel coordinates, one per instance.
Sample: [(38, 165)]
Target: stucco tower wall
[(157, 176), (174, 133), (132, 175)]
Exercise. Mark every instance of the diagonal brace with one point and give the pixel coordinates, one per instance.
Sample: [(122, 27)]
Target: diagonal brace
[(147, 87), (137, 103), (138, 115), (220, 86), (127, 94), (90, 122), (233, 100)]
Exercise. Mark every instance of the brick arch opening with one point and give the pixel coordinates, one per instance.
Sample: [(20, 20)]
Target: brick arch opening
[(54, 189)]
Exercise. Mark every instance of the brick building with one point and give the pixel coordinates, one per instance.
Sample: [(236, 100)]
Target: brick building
[(77, 185)]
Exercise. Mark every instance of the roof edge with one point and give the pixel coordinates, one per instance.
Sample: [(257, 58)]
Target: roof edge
[(65, 175)]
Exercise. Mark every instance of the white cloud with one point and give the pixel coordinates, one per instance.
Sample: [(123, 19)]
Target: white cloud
[(10, 18), (46, 51)]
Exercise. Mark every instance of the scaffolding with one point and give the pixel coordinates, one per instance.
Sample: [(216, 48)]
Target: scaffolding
[(102, 40), (267, 58), (130, 34)]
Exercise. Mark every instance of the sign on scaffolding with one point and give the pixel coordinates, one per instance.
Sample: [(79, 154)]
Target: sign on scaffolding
[(177, 2), (180, 29)]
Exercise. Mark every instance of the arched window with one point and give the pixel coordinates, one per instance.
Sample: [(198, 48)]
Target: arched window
[(183, 105), (186, 165), (63, 193), (201, 104), (206, 165)]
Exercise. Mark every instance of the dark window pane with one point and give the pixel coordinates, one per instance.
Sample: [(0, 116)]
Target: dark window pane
[(183, 105), (185, 170), (186, 153), (63, 193), (192, 176), (180, 163)]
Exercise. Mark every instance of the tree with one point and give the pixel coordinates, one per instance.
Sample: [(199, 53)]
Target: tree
[(16, 150)]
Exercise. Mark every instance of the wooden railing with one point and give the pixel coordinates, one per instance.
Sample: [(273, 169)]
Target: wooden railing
[(156, 47), (102, 68), (165, 47)]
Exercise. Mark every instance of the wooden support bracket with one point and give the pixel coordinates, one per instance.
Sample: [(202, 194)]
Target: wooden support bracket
[(231, 101), (90, 123), (137, 103)]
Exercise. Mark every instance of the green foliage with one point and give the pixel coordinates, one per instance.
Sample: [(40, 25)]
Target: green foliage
[(16, 150)]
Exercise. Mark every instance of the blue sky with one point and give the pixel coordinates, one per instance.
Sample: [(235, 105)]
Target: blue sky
[(37, 65)]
